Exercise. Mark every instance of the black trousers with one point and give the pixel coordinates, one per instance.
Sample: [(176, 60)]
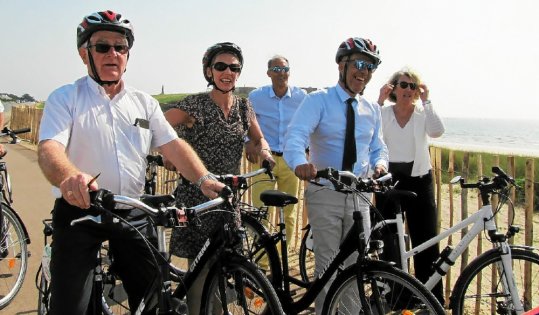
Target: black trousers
[(421, 217), (74, 252)]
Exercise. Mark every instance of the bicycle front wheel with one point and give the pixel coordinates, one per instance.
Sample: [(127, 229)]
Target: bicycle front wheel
[(261, 252), (479, 289), (388, 290), (306, 255), (13, 255), (240, 286)]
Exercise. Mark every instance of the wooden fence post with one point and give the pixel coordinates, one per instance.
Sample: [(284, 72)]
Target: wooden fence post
[(464, 206)]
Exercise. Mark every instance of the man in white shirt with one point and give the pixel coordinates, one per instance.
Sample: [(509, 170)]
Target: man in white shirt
[(98, 125)]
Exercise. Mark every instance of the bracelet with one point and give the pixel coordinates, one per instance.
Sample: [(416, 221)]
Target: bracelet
[(266, 149), (201, 180)]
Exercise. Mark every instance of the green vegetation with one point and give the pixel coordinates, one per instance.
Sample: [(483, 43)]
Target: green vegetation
[(169, 98), (488, 160)]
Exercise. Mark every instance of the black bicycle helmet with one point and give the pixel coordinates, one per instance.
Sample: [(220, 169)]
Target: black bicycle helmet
[(104, 21), (215, 50), (358, 45)]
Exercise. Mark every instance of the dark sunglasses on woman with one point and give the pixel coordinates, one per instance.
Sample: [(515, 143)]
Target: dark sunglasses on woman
[(221, 66), (405, 85)]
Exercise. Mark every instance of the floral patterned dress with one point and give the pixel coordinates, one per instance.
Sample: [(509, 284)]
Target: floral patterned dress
[(219, 142)]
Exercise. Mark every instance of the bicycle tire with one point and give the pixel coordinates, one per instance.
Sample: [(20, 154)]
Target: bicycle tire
[(247, 290), (13, 256), (465, 299), (397, 290), (43, 293), (114, 298), (306, 256), (261, 253)]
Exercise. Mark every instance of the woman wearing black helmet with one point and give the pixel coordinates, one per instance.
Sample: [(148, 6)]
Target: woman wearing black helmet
[(216, 125)]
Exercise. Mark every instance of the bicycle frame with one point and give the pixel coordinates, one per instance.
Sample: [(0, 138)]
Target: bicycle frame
[(483, 219), (355, 241)]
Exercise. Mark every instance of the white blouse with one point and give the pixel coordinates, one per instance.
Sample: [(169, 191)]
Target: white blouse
[(404, 144)]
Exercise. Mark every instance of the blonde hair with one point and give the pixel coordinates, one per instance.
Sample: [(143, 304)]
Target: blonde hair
[(412, 75)]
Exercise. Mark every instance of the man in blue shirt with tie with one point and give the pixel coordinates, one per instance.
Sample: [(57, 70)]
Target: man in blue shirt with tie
[(321, 123), (274, 106)]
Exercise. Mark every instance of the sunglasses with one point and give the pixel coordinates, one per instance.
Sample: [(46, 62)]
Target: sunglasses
[(405, 85), (280, 69), (360, 65), (221, 66), (105, 48)]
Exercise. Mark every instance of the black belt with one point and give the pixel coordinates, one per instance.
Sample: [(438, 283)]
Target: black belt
[(277, 153)]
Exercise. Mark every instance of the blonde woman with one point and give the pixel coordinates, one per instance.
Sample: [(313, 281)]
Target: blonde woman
[(407, 124)]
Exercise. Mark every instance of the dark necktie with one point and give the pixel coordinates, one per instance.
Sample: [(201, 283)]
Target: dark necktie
[(349, 157)]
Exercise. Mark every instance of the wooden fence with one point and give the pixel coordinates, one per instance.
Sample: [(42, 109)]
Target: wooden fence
[(452, 202)]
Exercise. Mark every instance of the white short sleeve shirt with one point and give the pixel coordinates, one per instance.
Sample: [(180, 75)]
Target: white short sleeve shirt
[(107, 136)]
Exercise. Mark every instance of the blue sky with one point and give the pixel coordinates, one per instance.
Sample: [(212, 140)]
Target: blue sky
[(479, 58)]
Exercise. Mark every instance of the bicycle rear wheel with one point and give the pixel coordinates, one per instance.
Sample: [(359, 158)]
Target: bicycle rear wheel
[(13, 255), (388, 291), (479, 289), (241, 287)]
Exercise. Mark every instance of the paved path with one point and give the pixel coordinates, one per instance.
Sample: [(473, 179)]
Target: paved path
[(32, 201)]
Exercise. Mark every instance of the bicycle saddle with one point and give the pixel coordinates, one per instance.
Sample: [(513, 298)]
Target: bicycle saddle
[(277, 198)]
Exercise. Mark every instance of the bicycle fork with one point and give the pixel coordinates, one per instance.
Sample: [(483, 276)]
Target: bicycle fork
[(507, 277)]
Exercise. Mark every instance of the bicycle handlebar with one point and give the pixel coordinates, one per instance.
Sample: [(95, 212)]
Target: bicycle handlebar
[(237, 181), (105, 200), (361, 184), (485, 184), (13, 133)]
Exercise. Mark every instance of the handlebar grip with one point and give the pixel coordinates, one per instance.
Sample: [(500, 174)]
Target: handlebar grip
[(498, 171), (266, 164), (22, 130), (103, 198), (325, 173)]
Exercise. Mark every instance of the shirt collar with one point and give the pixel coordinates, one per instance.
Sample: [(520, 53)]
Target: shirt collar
[(272, 92), (98, 89), (343, 96)]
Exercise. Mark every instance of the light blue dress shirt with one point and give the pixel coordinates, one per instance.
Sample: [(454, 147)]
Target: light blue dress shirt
[(320, 123), (274, 114)]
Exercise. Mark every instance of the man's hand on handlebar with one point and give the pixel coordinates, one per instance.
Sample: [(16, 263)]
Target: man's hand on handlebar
[(75, 189), (379, 171), (306, 171)]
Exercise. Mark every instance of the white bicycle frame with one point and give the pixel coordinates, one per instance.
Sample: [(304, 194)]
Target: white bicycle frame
[(482, 220)]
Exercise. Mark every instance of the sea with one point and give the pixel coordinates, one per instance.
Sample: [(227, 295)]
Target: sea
[(501, 136)]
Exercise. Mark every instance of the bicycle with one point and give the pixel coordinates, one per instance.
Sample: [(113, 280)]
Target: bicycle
[(372, 286), (233, 284), (112, 296), (511, 263), (14, 237)]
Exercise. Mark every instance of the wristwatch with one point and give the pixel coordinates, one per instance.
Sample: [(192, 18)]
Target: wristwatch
[(201, 180)]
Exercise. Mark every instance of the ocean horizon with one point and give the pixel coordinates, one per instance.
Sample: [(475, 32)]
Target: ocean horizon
[(502, 136)]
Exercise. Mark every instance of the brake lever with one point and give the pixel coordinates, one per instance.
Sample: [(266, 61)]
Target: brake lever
[(96, 219)]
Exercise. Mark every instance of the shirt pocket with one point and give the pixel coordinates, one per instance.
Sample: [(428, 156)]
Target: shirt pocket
[(140, 139)]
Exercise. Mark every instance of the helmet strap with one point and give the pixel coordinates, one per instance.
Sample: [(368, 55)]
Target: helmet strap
[(343, 80), (95, 74), (218, 89)]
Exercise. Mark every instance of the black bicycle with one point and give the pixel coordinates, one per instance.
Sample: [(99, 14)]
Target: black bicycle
[(109, 296), (369, 286), (14, 238)]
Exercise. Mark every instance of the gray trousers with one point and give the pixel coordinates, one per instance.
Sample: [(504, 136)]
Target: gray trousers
[(330, 216)]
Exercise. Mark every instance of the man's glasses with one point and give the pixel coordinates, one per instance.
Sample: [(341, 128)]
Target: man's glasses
[(105, 48), (405, 85), (280, 69), (361, 65), (221, 66)]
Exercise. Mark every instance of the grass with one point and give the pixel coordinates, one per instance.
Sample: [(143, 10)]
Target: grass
[(488, 160)]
